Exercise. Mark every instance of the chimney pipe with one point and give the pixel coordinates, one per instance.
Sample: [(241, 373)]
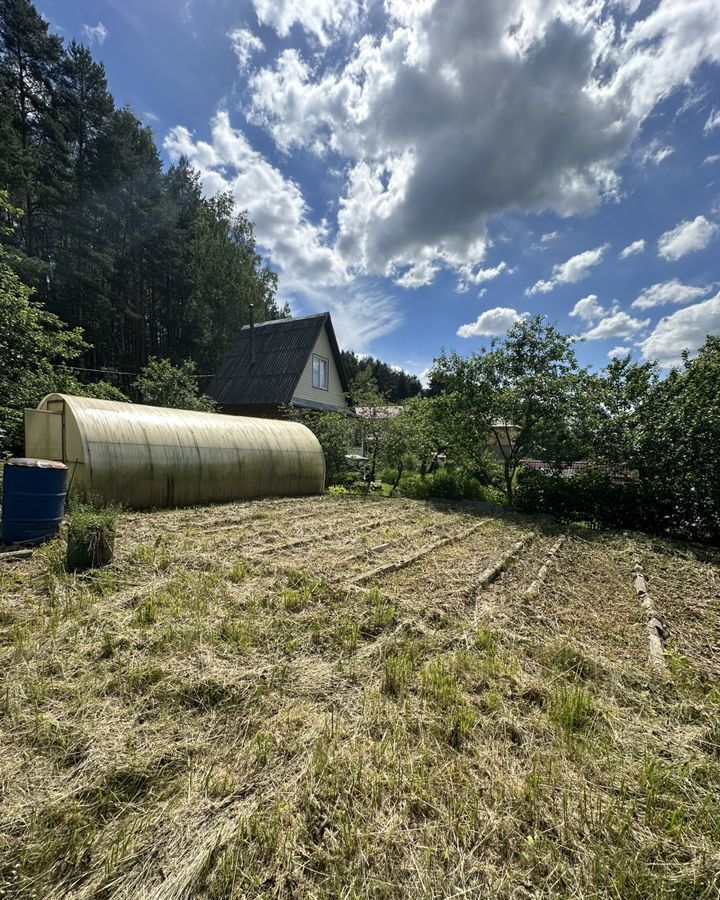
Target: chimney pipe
[(252, 334)]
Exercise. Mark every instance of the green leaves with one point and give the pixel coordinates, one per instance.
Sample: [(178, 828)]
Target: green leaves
[(162, 384), (516, 395)]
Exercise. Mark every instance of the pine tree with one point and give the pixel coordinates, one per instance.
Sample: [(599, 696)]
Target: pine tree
[(33, 160)]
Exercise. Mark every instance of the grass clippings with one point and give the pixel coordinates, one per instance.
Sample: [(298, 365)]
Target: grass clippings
[(209, 717)]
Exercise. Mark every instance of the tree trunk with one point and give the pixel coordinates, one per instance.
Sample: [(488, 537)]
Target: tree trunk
[(397, 480)]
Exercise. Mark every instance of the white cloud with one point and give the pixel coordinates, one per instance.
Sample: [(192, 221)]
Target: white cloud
[(685, 329), (473, 109), (491, 322), (420, 274), (632, 249), (619, 351), (470, 275), (616, 325), (713, 121), (324, 19), (687, 237), (661, 154), (362, 312), (656, 152), (478, 276), (709, 160), (549, 236), (588, 308), (440, 117), (245, 44), (662, 50), (95, 34), (572, 270), (668, 292)]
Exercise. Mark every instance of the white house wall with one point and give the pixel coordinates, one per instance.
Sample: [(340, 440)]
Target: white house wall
[(334, 395)]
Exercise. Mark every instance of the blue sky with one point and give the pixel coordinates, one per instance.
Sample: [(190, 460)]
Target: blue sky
[(431, 171)]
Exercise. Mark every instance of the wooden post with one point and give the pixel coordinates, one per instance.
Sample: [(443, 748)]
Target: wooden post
[(499, 566), (536, 584), (14, 555), (654, 626)]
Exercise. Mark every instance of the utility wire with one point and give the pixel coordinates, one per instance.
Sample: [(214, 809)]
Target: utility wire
[(110, 371)]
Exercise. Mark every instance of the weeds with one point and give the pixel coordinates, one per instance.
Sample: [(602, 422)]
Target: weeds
[(398, 670), (486, 639), (572, 709), (382, 613), (91, 537), (239, 572)]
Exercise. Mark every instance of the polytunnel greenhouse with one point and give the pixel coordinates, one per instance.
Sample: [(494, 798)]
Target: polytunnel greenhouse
[(147, 456)]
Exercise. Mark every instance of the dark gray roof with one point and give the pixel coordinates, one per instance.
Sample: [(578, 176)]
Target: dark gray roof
[(282, 349)]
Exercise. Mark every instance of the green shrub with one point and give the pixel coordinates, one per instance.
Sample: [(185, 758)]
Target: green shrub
[(447, 484), (91, 537), (588, 496), (388, 476), (352, 480)]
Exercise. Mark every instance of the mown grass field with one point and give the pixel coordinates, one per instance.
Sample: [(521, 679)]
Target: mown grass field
[(243, 706)]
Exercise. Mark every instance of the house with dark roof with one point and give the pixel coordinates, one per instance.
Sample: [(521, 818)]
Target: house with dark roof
[(284, 362)]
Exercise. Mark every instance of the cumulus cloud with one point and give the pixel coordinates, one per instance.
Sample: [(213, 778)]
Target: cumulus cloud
[(549, 236), (310, 267), (245, 44), (632, 249), (588, 309), (619, 351), (441, 116), (420, 274), (669, 292), (491, 322), (574, 269), (685, 329), (709, 160), (323, 19), (470, 275), (484, 106), (713, 121), (616, 325), (687, 237), (95, 34)]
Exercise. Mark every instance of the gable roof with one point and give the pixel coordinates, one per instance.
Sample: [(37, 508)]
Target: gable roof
[(282, 350)]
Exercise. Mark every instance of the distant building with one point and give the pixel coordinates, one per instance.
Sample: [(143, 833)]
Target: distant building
[(617, 474), (361, 438), (285, 362), (501, 439)]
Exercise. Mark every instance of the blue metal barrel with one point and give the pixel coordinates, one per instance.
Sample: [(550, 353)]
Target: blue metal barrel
[(33, 502)]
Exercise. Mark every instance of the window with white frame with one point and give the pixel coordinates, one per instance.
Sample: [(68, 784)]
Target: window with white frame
[(320, 372)]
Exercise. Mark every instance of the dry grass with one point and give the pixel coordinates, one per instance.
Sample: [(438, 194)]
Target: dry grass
[(226, 713)]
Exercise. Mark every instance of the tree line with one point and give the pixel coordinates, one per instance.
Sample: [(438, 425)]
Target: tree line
[(393, 383), (627, 446), (107, 240)]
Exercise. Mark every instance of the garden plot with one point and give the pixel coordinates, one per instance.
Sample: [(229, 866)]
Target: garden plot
[(224, 713), (348, 550)]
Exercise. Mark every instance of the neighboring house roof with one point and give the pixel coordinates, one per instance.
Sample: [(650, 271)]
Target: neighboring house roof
[(282, 350), (617, 474)]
